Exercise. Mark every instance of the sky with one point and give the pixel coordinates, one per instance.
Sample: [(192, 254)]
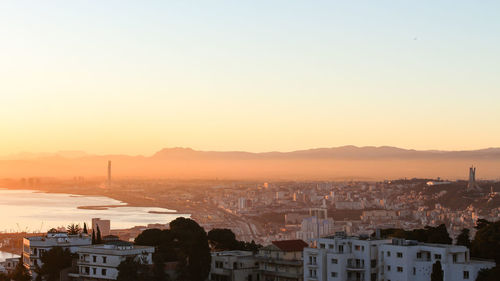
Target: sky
[(133, 77)]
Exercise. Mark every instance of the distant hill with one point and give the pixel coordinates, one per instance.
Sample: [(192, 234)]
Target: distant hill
[(337, 163)]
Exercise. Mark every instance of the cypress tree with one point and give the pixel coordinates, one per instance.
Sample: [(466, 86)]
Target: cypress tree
[(85, 228), (437, 272), (98, 238), (93, 237)]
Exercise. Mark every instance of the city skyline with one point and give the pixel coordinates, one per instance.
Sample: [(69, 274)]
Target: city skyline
[(122, 77)]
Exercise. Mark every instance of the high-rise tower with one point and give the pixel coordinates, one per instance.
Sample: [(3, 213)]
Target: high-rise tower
[(472, 185), (109, 173)]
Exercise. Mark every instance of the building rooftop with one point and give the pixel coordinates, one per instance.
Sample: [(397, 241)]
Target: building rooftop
[(290, 245)]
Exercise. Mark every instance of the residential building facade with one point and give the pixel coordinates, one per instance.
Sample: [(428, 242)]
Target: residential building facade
[(234, 266), (100, 262), (34, 247), (282, 261)]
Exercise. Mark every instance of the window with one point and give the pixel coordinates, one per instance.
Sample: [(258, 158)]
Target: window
[(388, 268), (93, 270), (322, 245), (357, 247), (335, 261), (400, 269), (414, 271), (94, 258), (104, 259), (362, 248), (312, 272), (399, 254), (341, 248), (466, 275), (103, 272), (330, 246), (373, 263), (388, 253), (437, 256), (334, 274), (419, 255)]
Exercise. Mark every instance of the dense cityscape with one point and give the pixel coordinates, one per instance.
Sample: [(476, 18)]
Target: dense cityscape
[(272, 230)]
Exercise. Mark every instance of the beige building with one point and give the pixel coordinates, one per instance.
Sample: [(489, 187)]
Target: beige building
[(234, 266), (282, 261), (104, 226)]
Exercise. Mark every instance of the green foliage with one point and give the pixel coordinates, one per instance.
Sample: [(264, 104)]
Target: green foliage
[(463, 238), (73, 229), (85, 228), (486, 243), (133, 269), (4, 277), (54, 260), (192, 249), (437, 272), (185, 242), (20, 273), (225, 240), (428, 234), (489, 274)]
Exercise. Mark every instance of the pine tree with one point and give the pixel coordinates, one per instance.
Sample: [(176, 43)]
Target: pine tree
[(463, 238)]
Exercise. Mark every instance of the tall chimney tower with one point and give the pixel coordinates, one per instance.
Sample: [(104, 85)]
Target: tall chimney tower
[(109, 173)]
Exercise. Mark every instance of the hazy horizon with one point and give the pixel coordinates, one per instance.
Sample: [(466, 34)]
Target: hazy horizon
[(334, 163)]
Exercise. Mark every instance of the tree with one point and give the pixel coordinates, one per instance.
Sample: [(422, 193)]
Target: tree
[(428, 234), (486, 243), (193, 252), (98, 239), (225, 240), (85, 228), (20, 273), (488, 274), (133, 269), (437, 272), (4, 277), (185, 242), (93, 237), (53, 261), (73, 229), (463, 238)]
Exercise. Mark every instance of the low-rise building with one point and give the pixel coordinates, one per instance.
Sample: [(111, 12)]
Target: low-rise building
[(35, 246), (282, 261), (409, 260), (348, 258), (234, 266), (100, 262), (342, 258)]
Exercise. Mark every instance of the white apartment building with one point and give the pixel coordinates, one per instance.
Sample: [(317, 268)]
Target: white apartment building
[(404, 260), (344, 258), (100, 262), (310, 227), (234, 266), (34, 247)]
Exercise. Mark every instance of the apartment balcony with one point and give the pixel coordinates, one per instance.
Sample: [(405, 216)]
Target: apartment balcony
[(352, 266)]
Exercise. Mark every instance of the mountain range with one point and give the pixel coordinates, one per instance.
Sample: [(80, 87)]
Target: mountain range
[(337, 163)]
